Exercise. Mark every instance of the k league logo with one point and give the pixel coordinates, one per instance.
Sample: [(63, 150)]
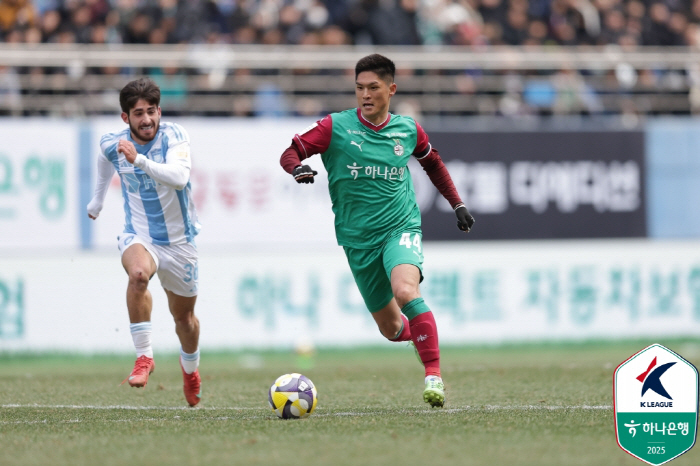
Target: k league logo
[(656, 405), (652, 381)]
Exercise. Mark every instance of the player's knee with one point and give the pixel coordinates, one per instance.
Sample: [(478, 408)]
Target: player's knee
[(404, 294), (138, 279), (187, 320)]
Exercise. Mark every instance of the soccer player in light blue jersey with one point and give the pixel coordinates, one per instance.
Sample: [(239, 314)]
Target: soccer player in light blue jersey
[(153, 162)]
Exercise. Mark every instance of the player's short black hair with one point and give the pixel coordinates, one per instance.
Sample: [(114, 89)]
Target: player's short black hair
[(385, 68), (142, 88)]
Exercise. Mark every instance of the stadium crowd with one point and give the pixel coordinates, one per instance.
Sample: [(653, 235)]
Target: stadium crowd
[(28, 90), (359, 22)]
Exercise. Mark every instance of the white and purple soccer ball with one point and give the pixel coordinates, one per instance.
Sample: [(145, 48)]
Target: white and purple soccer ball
[(293, 396)]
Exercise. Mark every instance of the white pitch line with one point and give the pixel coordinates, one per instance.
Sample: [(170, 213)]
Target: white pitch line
[(125, 407), (240, 408), (480, 408), (143, 419), (550, 408), (421, 411)]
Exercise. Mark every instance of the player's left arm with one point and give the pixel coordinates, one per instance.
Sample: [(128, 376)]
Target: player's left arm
[(175, 172), (435, 168)]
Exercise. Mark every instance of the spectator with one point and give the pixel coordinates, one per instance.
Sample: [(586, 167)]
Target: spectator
[(16, 14), (657, 30), (81, 22), (515, 29), (138, 29)]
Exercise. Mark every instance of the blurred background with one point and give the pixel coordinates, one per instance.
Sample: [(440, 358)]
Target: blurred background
[(568, 127)]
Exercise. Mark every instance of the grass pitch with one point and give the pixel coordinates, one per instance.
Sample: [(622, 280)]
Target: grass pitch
[(512, 405)]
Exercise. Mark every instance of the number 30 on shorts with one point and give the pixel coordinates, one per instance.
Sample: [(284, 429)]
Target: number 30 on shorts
[(191, 272), (408, 242)]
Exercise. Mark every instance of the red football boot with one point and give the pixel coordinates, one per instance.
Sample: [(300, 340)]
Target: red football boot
[(143, 367), (192, 386)]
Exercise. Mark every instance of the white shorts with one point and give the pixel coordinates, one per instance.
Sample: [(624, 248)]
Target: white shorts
[(177, 265)]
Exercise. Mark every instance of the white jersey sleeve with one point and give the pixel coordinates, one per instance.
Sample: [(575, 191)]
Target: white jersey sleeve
[(175, 172), (105, 171)]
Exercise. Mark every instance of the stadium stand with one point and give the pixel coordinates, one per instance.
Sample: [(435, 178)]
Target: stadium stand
[(498, 57)]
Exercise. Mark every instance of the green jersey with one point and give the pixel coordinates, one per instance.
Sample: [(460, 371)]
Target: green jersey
[(370, 186)]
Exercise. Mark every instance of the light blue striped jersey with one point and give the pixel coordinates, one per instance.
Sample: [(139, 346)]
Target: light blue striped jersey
[(153, 210)]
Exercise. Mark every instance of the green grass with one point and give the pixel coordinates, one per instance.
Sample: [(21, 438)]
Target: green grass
[(508, 405)]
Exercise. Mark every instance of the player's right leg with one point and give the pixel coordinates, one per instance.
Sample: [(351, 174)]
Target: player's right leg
[(140, 265)]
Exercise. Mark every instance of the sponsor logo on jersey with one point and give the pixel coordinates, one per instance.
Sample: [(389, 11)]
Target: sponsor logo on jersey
[(355, 131), (359, 145), (132, 182), (354, 170), (133, 179), (386, 173)]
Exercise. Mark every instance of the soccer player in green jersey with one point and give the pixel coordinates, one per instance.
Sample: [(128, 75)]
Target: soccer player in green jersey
[(366, 151)]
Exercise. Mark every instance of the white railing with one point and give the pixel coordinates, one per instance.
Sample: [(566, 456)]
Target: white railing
[(291, 57)]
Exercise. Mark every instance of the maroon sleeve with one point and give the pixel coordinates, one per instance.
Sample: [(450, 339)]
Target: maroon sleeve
[(290, 159), (315, 139), (422, 143), (437, 172)]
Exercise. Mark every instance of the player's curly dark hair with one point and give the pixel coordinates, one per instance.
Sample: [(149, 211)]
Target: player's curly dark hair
[(142, 88), (385, 68)]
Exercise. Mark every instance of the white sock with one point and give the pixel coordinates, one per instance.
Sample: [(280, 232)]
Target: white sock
[(141, 334), (190, 362)]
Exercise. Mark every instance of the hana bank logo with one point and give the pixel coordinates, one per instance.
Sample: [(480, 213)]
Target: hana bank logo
[(354, 170)]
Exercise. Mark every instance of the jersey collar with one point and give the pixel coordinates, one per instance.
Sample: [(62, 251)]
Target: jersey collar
[(143, 149), (371, 125)]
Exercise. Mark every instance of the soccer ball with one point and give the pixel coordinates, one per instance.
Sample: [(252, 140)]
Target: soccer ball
[(293, 396)]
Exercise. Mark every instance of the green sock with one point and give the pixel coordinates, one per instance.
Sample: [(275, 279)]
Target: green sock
[(414, 308)]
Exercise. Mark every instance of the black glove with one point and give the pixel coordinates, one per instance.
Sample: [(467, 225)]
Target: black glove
[(304, 174), (464, 218)]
